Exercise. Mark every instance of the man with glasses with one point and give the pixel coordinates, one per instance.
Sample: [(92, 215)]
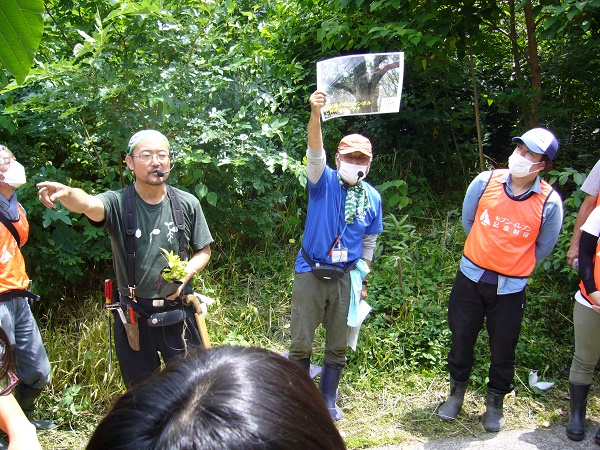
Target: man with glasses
[(161, 323), (18, 323), (343, 220)]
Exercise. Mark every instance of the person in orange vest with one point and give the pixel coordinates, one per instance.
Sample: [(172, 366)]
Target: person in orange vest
[(512, 219), (16, 319), (586, 321)]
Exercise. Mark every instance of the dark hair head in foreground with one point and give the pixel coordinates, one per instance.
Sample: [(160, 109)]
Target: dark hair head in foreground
[(221, 398)]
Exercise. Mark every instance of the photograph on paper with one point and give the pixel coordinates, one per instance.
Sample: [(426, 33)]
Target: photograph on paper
[(361, 84)]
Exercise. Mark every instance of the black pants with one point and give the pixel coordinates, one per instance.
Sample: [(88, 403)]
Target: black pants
[(136, 366), (469, 304)]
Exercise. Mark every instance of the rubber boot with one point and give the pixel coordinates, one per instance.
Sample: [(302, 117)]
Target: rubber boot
[(330, 379), (576, 426), (26, 397), (304, 363), (494, 418), (597, 438), (450, 408)]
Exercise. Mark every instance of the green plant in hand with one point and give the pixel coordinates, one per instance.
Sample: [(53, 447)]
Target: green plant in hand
[(175, 270)]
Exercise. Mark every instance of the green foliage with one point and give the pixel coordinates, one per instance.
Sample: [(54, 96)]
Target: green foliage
[(175, 270), (21, 28), (228, 82)]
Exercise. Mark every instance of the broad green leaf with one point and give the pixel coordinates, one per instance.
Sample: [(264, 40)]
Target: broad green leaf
[(54, 215), (211, 198), (21, 28)]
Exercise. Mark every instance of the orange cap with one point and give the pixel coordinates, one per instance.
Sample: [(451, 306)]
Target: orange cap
[(355, 143)]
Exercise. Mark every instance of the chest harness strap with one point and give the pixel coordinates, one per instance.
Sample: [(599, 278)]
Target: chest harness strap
[(131, 227)]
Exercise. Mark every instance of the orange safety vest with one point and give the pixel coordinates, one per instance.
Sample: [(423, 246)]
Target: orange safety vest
[(12, 265), (502, 238)]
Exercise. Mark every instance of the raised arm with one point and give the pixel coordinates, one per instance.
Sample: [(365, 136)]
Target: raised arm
[(73, 199), (317, 101)]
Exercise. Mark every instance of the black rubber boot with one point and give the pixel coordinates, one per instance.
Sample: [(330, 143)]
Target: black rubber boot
[(330, 379), (597, 438), (450, 408), (304, 363), (494, 417), (576, 426), (26, 397)]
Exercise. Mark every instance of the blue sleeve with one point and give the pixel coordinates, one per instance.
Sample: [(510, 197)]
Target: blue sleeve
[(376, 226), (474, 192), (551, 226)]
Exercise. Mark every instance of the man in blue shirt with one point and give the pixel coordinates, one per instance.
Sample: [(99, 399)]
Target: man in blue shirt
[(343, 220)]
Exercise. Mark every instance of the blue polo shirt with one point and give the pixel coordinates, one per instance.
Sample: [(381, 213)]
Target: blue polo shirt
[(325, 220)]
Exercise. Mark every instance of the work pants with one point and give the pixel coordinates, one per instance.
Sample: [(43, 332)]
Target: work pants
[(470, 303), (169, 341), (316, 301), (31, 361), (586, 324)]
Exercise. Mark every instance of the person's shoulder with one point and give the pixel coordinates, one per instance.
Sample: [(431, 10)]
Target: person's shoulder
[(372, 191), (596, 168), (485, 176), (327, 178), (185, 196)]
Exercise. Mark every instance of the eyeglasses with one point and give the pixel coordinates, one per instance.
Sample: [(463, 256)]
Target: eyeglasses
[(147, 156), (10, 381)]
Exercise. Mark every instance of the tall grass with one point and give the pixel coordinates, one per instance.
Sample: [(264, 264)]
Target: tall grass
[(394, 380)]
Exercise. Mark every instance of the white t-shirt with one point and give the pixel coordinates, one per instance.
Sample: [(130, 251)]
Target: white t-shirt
[(591, 185)]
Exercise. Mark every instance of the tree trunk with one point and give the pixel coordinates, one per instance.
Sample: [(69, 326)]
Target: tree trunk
[(531, 119), (476, 105)]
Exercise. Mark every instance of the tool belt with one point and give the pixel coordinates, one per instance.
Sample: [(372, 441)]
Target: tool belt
[(157, 312)]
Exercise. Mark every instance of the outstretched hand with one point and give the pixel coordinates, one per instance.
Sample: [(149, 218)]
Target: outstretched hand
[(49, 192)]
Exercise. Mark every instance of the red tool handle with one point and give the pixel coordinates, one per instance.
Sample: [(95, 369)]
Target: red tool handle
[(108, 292), (132, 318)]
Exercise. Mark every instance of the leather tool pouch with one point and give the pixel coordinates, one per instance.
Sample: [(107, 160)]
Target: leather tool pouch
[(166, 318), (133, 335)]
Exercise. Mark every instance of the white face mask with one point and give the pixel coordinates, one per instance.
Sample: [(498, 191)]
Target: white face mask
[(15, 175), (519, 166), (349, 172)]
